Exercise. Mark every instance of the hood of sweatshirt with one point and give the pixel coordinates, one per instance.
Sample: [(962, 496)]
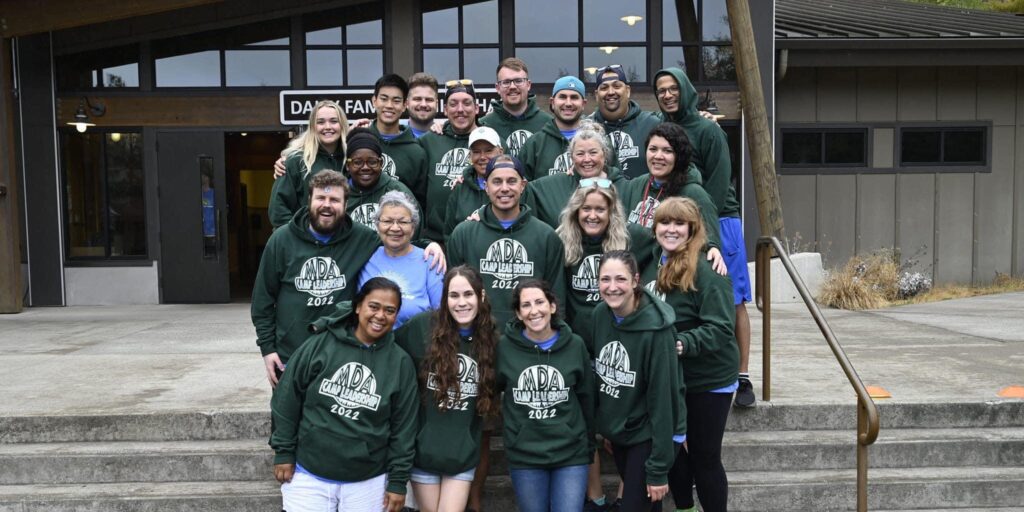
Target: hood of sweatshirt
[(469, 179), (449, 131), (382, 182), (338, 323), (514, 331), (300, 227), (688, 97), (488, 218), (498, 107), (405, 136), (633, 112), (651, 313)]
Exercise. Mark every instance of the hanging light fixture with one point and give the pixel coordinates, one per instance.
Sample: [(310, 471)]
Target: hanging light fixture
[(608, 49), (631, 19), (590, 70), (81, 122), (115, 137)]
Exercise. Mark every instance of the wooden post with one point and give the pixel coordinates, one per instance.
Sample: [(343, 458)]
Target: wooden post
[(10, 236), (755, 118)]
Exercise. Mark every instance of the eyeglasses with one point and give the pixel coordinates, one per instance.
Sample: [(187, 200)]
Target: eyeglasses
[(672, 89), (402, 223), (596, 182), (517, 81), (372, 163)]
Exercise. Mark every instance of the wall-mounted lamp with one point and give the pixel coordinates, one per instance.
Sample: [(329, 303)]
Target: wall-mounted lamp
[(81, 122), (631, 20), (115, 137), (608, 49)]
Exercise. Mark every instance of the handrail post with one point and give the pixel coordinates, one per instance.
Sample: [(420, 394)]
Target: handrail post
[(862, 457), (764, 286)]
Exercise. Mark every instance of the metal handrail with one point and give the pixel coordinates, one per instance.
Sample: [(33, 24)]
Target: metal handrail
[(867, 412)]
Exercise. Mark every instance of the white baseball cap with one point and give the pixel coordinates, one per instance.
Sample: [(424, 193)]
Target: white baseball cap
[(487, 134)]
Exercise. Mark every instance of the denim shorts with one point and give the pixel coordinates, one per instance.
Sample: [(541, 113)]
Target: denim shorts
[(424, 477)]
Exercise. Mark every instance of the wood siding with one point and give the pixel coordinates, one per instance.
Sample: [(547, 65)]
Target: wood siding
[(956, 227)]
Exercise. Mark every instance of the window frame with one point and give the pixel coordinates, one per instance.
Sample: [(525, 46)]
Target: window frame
[(107, 259), (460, 45), (344, 48), (943, 129), (823, 130)]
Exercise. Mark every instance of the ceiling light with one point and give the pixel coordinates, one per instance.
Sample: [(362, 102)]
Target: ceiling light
[(608, 49), (631, 20)]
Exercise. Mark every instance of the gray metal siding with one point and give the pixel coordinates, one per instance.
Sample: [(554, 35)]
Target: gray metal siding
[(959, 227)]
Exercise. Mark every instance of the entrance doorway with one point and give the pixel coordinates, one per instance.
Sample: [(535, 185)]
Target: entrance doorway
[(249, 165)]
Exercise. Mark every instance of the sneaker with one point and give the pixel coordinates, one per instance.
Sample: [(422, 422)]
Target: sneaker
[(745, 394), (590, 506), (615, 505)]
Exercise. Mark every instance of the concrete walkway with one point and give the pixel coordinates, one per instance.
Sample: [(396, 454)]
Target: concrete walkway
[(117, 360)]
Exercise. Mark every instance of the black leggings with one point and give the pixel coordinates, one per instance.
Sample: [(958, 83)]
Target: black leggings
[(701, 464), (631, 461)]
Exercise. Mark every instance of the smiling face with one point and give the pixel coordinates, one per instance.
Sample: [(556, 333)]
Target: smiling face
[(567, 106), (666, 90), (616, 285), (326, 209), (504, 187), (461, 111), (364, 167), (480, 153), (588, 158), (463, 302), (594, 215), (395, 228), (377, 313), (672, 234), (422, 104), (535, 311), (328, 127), (613, 99), (513, 96), (389, 104), (661, 158)]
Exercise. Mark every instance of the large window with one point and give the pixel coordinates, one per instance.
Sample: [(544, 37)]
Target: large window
[(105, 214), (248, 56), (462, 41), (824, 147), (107, 68), (345, 47), (583, 37), (697, 39), (943, 146)]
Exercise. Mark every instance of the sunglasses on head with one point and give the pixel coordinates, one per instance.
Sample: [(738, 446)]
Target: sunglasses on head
[(596, 182)]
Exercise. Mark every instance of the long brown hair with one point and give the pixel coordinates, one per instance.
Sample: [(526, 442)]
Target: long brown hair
[(680, 270), (443, 353)]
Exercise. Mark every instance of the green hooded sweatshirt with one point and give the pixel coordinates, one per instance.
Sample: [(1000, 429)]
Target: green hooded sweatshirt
[(347, 411), (704, 321), (406, 160), (447, 441), (582, 277), (641, 198), (547, 153), (362, 204), (291, 191), (528, 248), (640, 394), (548, 406), (465, 199), (514, 130), (301, 279), (550, 194), (709, 142), (628, 136), (447, 156)]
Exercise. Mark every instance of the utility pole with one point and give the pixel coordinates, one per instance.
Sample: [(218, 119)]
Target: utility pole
[(755, 118)]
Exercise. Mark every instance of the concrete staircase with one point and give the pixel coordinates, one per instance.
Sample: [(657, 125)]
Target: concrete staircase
[(779, 457)]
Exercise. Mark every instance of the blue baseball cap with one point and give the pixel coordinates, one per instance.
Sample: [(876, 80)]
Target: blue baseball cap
[(569, 82)]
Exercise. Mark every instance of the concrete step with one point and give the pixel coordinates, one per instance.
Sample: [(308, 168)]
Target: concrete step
[(250, 459), (184, 426), (143, 497), (934, 488)]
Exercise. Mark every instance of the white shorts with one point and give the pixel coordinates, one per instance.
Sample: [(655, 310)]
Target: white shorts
[(307, 493)]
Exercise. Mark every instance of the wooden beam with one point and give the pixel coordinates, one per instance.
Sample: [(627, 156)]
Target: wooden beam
[(755, 115), (20, 18), (10, 221)]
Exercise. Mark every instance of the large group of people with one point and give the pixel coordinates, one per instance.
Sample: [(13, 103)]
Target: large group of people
[(576, 282)]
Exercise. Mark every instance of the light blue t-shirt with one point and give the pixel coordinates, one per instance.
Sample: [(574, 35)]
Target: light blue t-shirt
[(546, 344), (322, 238), (505, 224), (420, 285), (416, 133), (389, 136), (568, 134)]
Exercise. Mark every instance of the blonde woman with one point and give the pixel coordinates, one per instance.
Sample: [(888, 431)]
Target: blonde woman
[(321, 146)]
